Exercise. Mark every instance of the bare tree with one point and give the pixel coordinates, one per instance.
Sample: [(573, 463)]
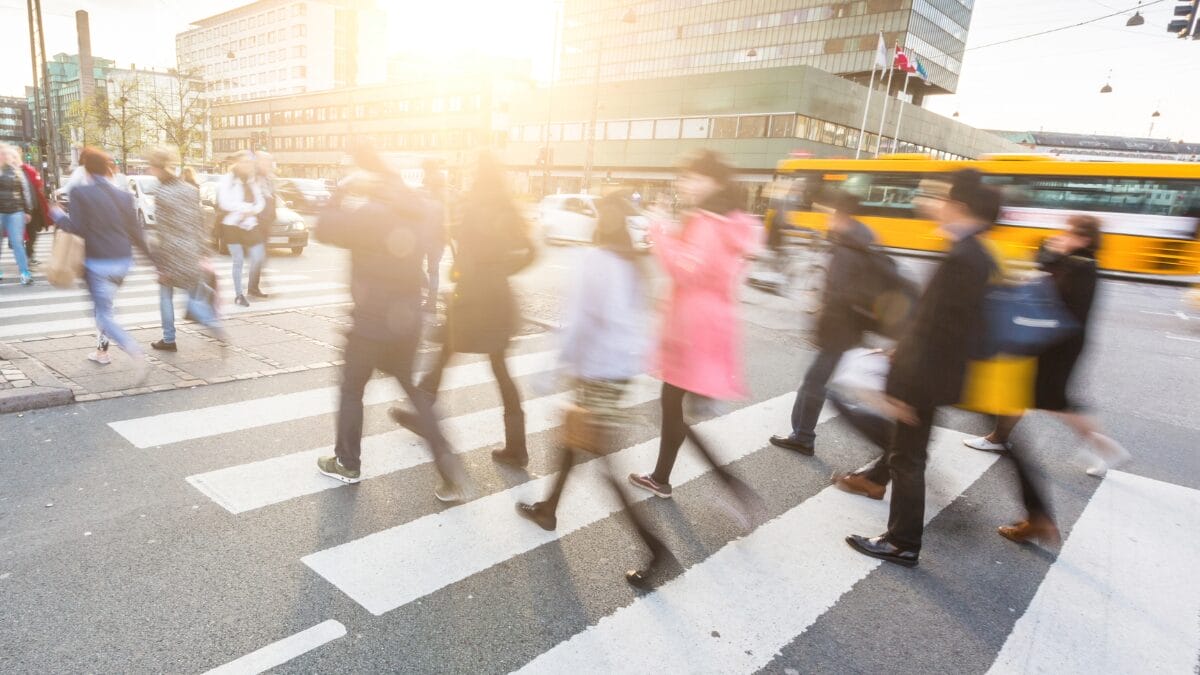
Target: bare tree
[(126, 120), (181, 114), (85, 121)]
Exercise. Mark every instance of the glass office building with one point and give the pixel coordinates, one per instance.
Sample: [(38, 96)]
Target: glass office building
[(642, 39)]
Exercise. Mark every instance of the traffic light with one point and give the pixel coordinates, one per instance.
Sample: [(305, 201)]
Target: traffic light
[(545, 156), (1185, 20)]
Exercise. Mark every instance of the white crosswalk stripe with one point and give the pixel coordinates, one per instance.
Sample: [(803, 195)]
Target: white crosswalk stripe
[(41, 310), (1121, 595)]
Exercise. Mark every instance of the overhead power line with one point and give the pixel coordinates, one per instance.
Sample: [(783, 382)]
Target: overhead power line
[(1142, 5)]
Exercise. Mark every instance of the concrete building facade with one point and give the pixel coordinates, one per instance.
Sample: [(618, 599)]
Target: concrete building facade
[(755, 118), (649, 39), (16, 122), (281, 47), (309, 134)]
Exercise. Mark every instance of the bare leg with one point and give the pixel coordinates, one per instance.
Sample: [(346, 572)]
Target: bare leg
[(1004, 428)]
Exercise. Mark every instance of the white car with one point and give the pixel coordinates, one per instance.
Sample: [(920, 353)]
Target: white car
[(573, 218), (143, 189)]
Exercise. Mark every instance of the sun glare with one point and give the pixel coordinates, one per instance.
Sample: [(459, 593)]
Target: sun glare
[(512, 28)]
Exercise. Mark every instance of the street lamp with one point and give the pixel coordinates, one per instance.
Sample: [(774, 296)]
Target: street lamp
[(1137, 19), (1153, 118), (630, 17)]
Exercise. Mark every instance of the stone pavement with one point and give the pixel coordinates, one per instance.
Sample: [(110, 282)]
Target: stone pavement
[(259, 345)]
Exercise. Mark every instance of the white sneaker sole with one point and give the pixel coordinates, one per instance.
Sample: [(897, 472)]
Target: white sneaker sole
[(983, 445), (339, 476)]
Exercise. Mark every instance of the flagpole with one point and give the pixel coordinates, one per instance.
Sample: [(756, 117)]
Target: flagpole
[(862, 130), (886, 92), (900, 117)]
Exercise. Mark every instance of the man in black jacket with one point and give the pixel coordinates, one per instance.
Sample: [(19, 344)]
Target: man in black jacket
[(930, 362), (841, 323), (382, 223)]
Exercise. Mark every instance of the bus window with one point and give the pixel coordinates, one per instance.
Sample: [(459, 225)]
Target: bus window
[(888, 195), (1156, 207)]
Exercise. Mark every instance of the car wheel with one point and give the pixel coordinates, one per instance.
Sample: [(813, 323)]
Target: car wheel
[(297, 250)]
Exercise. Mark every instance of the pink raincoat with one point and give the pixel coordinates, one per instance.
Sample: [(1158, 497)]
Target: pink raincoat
[(701, 347)]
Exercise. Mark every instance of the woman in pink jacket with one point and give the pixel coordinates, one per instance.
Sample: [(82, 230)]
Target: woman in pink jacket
[(700, 348)]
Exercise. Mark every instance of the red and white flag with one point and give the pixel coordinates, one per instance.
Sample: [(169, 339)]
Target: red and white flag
[(903, 62)]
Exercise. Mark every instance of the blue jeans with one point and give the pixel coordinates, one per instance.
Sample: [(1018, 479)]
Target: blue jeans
[(14, 229), (104, 276), (257, 253), (199, 311), (811, 396)]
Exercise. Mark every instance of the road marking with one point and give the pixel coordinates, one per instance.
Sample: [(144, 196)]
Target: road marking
[(393, 567), (82, 324), (1182, 338), (735, 610), (1123, 595), (246, 487), (134, 283), (141, 301), (282, 651), (167, 428)]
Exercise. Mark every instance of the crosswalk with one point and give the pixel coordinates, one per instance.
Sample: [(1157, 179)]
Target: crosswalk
[(1121, 596), (41, 310)]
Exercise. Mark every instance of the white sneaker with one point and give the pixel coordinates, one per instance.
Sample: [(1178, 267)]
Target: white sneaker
[(100, 357), (1106, 454), (982, 443)]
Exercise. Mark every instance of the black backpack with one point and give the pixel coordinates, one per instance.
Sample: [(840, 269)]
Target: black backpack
[(889, 297)]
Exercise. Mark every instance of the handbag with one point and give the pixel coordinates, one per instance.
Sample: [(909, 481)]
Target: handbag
[(1025, 318), (66, 260), (861, 377)]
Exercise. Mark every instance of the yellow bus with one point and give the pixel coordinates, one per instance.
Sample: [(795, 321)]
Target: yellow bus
[(1150, 213)]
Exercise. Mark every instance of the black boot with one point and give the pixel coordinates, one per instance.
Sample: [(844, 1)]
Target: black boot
[(514, 452)]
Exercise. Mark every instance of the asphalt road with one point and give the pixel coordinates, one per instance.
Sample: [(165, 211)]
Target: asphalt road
[(182, 543)]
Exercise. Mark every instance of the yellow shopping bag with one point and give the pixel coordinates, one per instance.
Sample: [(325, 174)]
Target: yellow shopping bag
[(1002, 385)]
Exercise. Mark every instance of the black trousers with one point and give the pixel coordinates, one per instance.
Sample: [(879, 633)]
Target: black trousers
[(675, 430), (432, 380), (394, 357), (904, 464)]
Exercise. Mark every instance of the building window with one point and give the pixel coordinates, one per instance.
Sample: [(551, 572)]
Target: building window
[(640, 130), (724, 127), (532, 132), (572, 132), (752, 126), (667, 129), (782, 126), (616, 131), (696, 127), (299, 72)]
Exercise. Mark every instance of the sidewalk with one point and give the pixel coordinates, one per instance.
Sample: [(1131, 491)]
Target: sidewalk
[(54, 370)]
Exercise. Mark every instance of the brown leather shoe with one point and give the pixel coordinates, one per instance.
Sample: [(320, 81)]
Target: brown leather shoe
[(858, 484), (1036, 529)]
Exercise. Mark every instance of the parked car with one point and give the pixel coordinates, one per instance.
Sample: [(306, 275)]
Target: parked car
[(573, 218), (143, 189), (306, 195), (289, 231)]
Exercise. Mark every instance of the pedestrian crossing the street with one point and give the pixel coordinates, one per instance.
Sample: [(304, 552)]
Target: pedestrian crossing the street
[(1121, 596), (41, 310)]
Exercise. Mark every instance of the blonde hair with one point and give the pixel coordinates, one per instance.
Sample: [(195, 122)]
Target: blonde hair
[(11, 154), (162, 158)]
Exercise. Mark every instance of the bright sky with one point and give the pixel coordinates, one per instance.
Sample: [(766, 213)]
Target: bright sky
[(1050, 82)]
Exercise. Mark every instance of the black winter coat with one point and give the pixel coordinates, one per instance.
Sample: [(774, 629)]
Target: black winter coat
[(948, 327), (385, 238), (840, 326), (492, 243), (1075, 277)]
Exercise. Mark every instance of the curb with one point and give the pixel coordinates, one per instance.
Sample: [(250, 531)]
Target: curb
[(34, 398), (41, 388)]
